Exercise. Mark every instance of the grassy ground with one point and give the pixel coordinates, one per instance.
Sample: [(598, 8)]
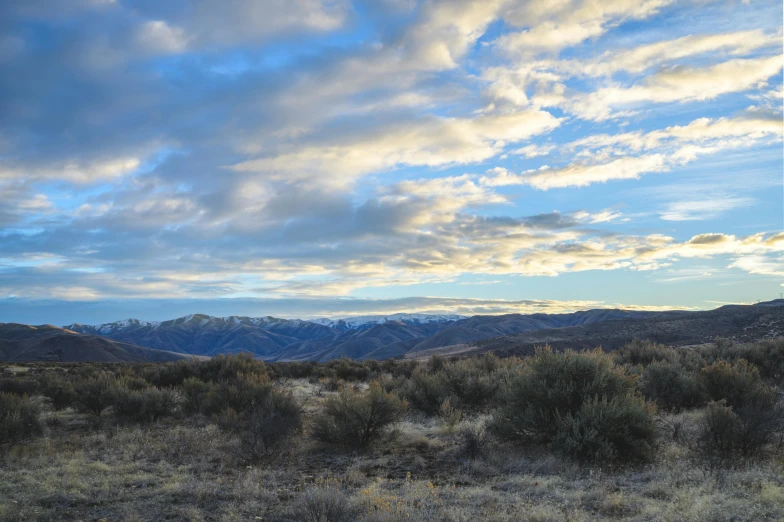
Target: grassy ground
[(188, 469)]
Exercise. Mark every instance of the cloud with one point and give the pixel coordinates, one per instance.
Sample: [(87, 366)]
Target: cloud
[(557, 25), (679, 84), (761, 265), (202, 23), (316, 148), (632, 154), (431, 142), (159, 37), (644, 57), (703, 209), (64, 312)]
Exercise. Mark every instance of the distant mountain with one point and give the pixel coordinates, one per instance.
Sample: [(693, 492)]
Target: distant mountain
[(363, 337), (367, 321), (736, 322), (23, 343)]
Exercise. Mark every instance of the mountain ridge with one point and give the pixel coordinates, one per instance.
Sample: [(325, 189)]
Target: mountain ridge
[(25, 343), (359, 337)]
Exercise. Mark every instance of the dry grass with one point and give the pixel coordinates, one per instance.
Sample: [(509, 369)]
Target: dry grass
[(185, 470)]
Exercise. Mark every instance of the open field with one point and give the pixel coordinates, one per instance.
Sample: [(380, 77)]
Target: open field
[(446, 453)]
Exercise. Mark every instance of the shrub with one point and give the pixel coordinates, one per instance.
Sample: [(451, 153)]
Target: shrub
[(169, 374), (323, 504), (767, 356), (436, 363), (19, 419), (732, 382), (743, 430), (718, 434), (348, 370), (19, 385), (472, 441), (762, 416), (602, 430), (426, 392), (58, 390), (449, 415), (144, 406), (94, 394), (229, 367), (269, 426), (240, 394), (471, 382), (644, 352), (553, 387), (357, 419), (670, 387), (194, 391)]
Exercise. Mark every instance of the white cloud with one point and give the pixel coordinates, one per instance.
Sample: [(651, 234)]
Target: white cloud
[(428, 142), (703, 209), (157, 36), (644, 57), (632, 154), (76, 171), (533, 151), (760, 264), (553, 26), (679, 84)]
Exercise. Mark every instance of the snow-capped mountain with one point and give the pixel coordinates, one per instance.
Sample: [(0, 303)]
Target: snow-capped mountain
[(271, 337), (360, 321), (359, 337)]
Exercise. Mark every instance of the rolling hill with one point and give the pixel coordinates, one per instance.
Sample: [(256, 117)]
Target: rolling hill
[(24, 343), (739, 323)]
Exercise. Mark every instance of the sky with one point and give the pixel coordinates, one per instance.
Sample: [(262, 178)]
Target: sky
[(307, 158)]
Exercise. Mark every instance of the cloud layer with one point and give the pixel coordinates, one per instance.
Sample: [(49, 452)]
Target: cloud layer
[(322, 148)]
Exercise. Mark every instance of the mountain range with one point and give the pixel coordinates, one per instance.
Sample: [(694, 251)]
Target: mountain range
[(740, 323), (367, 337), (24, 343), (381, 337)]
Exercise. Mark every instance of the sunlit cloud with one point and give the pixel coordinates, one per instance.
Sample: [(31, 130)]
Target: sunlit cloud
[(316, 150)]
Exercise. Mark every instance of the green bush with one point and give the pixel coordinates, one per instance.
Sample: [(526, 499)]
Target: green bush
[(467, 383), (745, 417), (449, 415), (348, 370), (240, 394), (579, 403), (644, 352), (19, 385), (554, 386), (144, 406), (269, 427), (436, 363), (356, 419), (473, 440), (19, 419), (94, 394), (426, 391), (471, 382), (229, 367), (767, 356), (718, 435), (732, 382), (324, 504), (194, 392), (602, 430), (58, 390), (670, 387)]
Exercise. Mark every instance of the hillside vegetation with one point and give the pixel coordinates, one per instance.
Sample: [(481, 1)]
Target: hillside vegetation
[(645, 433)]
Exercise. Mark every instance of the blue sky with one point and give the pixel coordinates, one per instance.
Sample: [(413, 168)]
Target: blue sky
[(335, 157)]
